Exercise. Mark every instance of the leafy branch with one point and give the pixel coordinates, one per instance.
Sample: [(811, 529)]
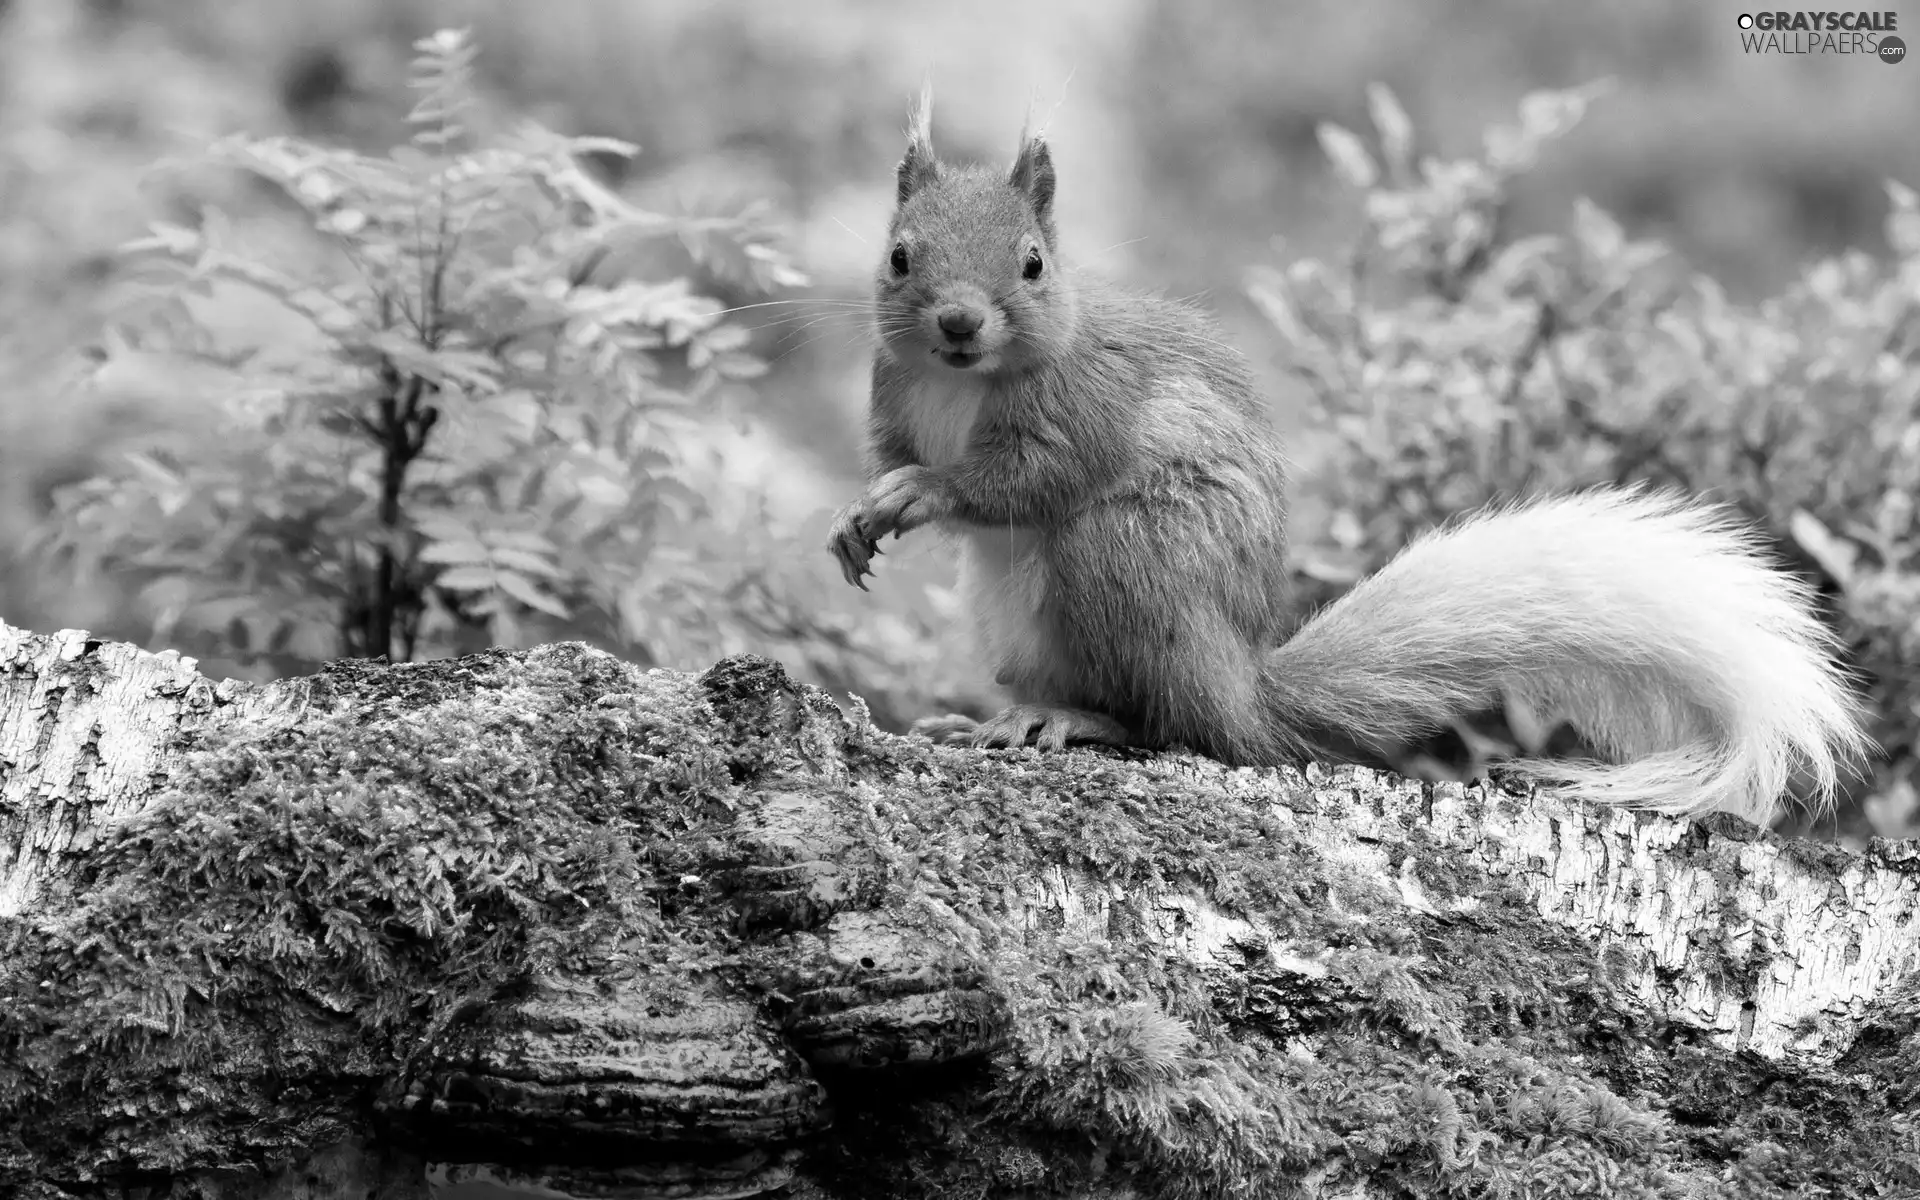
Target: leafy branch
[(478, 443)]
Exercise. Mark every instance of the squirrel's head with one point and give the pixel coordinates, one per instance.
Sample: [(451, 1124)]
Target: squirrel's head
[(967, 278)]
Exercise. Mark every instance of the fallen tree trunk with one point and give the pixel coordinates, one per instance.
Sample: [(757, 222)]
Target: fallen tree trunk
[(545, 920)]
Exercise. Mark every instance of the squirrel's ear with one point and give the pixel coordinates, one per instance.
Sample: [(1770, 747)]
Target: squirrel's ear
[(1033, 176), (918, 167)]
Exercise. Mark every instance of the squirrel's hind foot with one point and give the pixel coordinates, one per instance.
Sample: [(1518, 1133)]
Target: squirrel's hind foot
[(950, 730), (1045, 726)]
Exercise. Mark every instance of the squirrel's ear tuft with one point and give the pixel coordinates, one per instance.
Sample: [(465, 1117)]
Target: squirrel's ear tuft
[(918, 167), (1033, 176)]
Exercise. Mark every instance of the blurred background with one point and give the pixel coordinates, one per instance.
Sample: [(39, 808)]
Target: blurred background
[(1185, 132)]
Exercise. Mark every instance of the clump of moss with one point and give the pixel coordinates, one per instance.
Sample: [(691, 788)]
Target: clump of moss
[(1486, 1053), (1398, 1061), (300, 910)]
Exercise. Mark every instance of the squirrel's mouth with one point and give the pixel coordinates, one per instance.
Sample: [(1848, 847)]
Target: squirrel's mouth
[(961, 359)]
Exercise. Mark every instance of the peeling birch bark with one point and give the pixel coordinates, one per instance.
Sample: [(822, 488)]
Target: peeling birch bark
[(546, 919), (1769, 946), (83, 727)]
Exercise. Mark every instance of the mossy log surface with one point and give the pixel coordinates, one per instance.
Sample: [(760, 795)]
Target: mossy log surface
[(544, 920)]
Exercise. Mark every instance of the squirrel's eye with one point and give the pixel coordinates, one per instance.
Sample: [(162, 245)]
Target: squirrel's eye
[(1033, 265), (898, 260)]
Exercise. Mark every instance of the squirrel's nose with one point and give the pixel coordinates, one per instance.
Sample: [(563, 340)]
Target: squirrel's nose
[(960, 323)]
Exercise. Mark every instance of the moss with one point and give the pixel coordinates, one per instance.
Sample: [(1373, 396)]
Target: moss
[(291, 919), (1486, 1053), (1209, 1090), (303, 908)]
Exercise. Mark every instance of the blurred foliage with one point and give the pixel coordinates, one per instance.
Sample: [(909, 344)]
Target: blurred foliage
[(480, 435), (1745, 163), (1455, 365), (619, 68)]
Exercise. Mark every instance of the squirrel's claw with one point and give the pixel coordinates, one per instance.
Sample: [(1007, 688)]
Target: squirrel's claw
[(851, 548), (899, 501), (1012, 727), (950, 730), (1017, 724)]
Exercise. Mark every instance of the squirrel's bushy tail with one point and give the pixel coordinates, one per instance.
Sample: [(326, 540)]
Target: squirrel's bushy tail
[(1653, 625)]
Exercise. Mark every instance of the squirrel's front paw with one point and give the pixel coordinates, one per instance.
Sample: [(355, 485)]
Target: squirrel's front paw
[(903, 500), (850, 546), (898, 502)]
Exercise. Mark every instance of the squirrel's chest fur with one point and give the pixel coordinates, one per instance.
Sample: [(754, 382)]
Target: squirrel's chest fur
[(1003, 574), (940, 413)]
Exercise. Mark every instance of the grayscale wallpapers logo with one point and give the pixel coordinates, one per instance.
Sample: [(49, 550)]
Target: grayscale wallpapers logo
[(1869, 34)]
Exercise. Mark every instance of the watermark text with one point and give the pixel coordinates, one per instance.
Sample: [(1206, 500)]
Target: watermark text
[(1869, 34)]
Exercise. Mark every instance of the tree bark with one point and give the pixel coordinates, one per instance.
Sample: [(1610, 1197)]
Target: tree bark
[(551, 922)]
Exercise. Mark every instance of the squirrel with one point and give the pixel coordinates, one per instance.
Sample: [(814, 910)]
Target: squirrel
[(1117, 493)]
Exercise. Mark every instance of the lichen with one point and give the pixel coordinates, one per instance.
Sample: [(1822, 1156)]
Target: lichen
[(1483, 1053), (298, 911), (302, 909)]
